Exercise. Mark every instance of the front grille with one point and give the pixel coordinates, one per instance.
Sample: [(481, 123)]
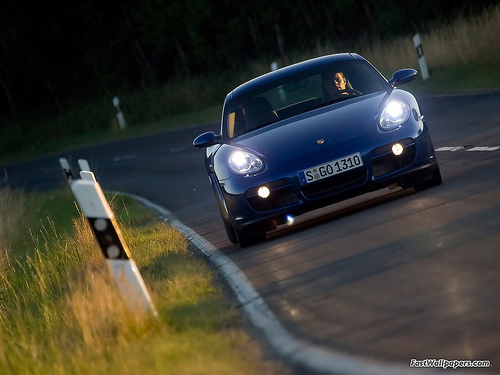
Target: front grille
[(333, 184), (282, 195), (385, 162)]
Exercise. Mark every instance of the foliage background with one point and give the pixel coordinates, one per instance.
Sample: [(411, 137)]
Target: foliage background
[(55, 54)]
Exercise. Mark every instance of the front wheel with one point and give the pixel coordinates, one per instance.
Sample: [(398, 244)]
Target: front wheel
[(436, 179), (244, 239), (239, 236), (230, 231)]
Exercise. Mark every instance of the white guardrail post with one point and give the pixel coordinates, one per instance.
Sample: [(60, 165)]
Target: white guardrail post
[(421, 58), (95, 208), (119, 114)]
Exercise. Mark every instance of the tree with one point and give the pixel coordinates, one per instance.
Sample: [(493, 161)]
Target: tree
[(56, 53)]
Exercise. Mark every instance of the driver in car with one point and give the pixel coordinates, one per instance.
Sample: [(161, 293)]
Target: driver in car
[(335, 86), (340, 81)]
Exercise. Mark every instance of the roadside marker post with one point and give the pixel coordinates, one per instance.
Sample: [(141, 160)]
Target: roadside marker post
[(95, 208), (67, 170), (119, 114), (84, 165), (421, 58)]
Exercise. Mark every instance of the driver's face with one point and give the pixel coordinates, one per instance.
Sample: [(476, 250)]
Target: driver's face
[(340, 81)]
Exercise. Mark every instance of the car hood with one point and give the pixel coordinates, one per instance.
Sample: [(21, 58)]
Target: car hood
[(324, 128)]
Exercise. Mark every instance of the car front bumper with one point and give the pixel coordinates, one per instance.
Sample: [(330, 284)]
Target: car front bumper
[(381, 168)]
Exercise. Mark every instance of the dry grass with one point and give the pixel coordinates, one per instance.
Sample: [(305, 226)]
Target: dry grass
[(13, 213), (60, 312), (468, 47), (463, 41)]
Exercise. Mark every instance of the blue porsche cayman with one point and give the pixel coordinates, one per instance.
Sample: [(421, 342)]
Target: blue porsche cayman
[(312, 134)]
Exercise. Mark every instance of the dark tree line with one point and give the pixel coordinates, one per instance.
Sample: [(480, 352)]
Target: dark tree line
[(57, 53)]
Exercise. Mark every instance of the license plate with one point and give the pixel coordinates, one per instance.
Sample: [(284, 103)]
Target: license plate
[(331, 168)]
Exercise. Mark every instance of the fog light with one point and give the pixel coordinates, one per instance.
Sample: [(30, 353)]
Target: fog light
[(397, 149), (263, 192)]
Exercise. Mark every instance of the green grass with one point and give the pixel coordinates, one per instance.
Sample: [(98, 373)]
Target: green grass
[(471, 77), (60, 312), (462, 55), (17, 145)]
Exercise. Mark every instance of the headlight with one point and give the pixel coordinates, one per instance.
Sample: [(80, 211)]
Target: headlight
[(242, 162), (394, 114)]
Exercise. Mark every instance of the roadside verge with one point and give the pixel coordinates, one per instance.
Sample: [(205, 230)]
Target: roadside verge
[(309, 358)]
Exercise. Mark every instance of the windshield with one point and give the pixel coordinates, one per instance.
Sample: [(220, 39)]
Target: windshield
[(300, 93)]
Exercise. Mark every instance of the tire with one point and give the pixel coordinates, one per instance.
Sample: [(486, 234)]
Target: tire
[(437, 179), (230, 232), (240, 237), (228, 224), (235, 235), (245, 240)]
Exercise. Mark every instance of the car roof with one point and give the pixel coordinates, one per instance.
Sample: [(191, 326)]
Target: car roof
[(292, 69)]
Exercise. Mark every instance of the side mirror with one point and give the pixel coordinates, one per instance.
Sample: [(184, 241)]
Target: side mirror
[(206, 140), (403, 76)]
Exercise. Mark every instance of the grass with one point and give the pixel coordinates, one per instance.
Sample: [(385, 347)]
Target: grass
[(60, 312), (37, 144), (59, 309), (462, 55), (470, 77)]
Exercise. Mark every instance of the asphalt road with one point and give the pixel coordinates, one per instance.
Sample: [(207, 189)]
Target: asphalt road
[(392, 275)]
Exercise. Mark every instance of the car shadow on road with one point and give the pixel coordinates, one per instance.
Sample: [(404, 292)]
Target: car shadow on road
[(340, 210)]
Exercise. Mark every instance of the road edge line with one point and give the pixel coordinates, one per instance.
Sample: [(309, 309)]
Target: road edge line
[(294, 351)]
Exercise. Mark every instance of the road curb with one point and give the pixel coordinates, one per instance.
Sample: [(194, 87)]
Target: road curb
[(310, 358)]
